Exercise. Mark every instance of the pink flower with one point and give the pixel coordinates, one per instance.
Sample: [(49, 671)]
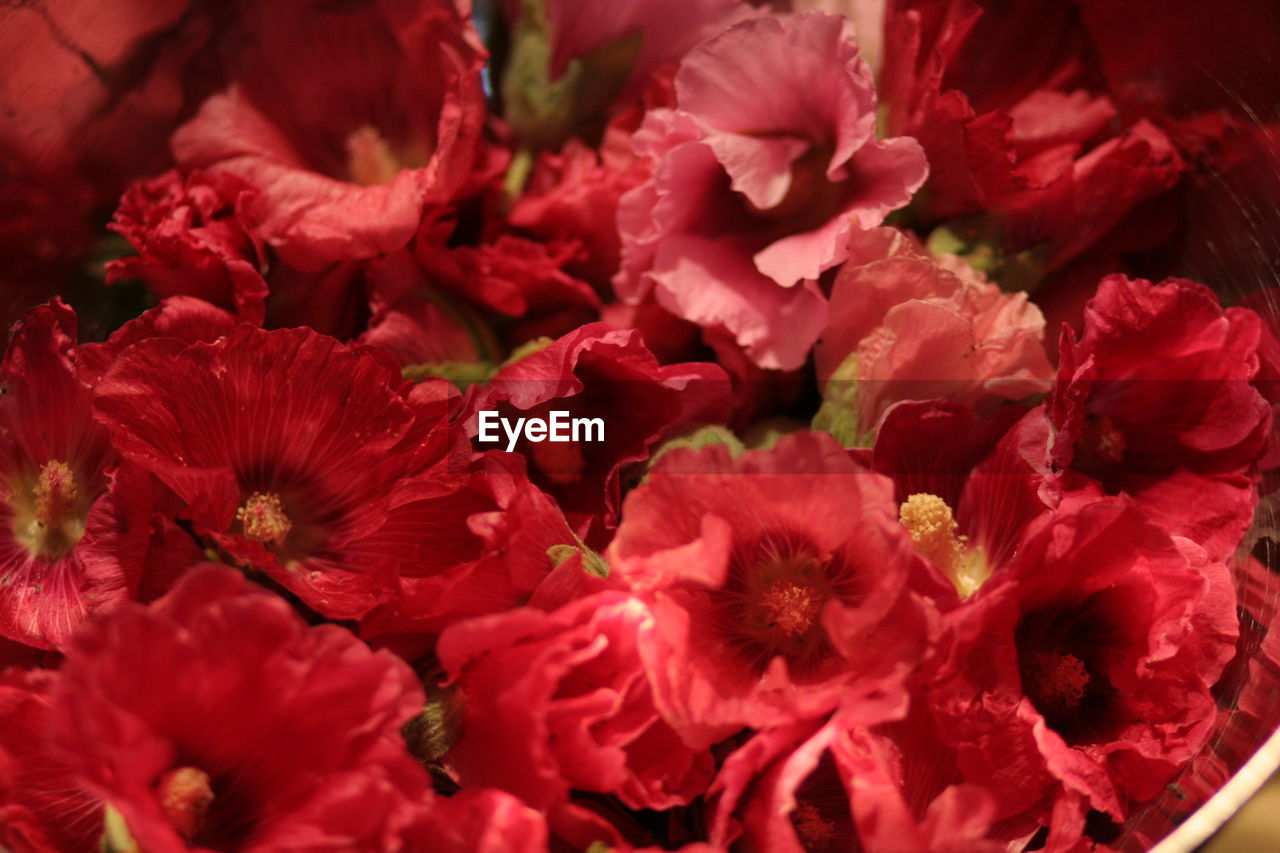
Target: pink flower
[(777, 582), (925, 327), (760, 173)]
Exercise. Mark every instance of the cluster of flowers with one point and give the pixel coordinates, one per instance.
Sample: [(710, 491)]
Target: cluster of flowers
[(855, 566)]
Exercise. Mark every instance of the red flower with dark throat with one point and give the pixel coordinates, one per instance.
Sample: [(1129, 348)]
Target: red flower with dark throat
[(777, 584), (74, 521), (217, 719), (1085, 668), (286, 448)]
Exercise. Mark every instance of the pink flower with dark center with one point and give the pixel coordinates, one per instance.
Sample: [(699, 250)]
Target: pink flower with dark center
[(767, 163), (777, 582)]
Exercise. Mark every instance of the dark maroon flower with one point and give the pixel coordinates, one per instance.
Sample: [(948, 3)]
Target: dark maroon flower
[(1155, 399)]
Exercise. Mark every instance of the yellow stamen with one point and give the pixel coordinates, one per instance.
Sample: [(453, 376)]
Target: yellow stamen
[(55, 492), (264, 518), (185, 795), (816, 833), (933, 528), (791, 608), (370, 160)]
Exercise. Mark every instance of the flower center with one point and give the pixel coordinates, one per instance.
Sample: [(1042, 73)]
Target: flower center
[(816, 833), (790, 607), (1101, 444), (264, 518), (185, 795), (1054, 681), (933, 528), (55, 525), (371, 160), (55, 494)]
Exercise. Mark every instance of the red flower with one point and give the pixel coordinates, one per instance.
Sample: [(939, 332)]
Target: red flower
[(217, 719), (965, 489), (777, 585), (483, 549), (1084, 670), (194, 238), (838, 787), (288, 450), (598, 372), (346, 176), (43, 806), (559, 701), (1155, 400), (999, 100), (478, 820), (74, 523)]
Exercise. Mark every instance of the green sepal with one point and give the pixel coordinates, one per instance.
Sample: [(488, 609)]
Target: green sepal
[(838, 413)]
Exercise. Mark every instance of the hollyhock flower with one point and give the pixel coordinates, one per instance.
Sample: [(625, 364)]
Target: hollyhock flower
[(194, 238), (498, 542), (1084, 670), (811, 787), (760, 173), (1000, 101), (966, 492), (1154, 399), (348, 176), (183, 318), (554, 701), (74, 522), (216, 718), (907, 325), (43, 806), (573, 194), (288, 449), (599, 372), (777, 585), (509, 274), (477, 820)]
